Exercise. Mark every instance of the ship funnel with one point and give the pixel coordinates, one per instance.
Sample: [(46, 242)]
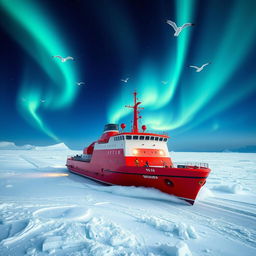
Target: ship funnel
[(109, 130), (111, 127)]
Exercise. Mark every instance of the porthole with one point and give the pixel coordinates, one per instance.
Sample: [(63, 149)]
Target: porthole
[(168, 182)]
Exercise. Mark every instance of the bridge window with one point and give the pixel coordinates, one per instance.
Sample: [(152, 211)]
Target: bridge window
[(160, 139), (147, 138), (152, 138), (156, 138), (135, 137), (128, 137), (142, 137), (165, 139), (122, 137)]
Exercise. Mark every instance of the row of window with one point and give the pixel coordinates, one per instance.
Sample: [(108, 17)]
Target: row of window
[(114, 152), (141, 137), (119, 138)]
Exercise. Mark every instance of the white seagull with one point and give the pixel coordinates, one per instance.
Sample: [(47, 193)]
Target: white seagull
[(63, 59), (164, 82), (178, 29), (125, 80), (80, 83), (199, 69)]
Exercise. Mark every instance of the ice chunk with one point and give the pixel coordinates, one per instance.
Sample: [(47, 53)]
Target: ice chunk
[(109, 233), (182, 230), (191, 232), (52, 242), (229, 188), (180, 249), (31, 251)]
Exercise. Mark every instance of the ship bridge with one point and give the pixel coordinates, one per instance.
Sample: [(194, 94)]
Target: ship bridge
[(142, 146)]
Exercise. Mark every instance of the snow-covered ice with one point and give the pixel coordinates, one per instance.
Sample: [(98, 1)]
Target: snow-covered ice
[(45, 210)]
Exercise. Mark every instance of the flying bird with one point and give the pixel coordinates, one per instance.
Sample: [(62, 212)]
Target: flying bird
[(80, 83), (164, 82), (63, 59), (125, 80), (178, 29), (199, 69), (42, 101)]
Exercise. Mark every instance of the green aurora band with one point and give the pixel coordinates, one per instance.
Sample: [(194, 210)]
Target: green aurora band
[(32, 104), (199, 90), (149, 86), (185, 13), (207, 85), (29, 24)]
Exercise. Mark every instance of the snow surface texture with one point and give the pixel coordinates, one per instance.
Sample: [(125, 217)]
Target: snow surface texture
[(45, 210)]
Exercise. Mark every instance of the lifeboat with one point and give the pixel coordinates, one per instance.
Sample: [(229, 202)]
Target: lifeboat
[(138, 158)]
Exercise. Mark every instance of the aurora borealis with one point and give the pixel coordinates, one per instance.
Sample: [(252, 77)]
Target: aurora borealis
[(208, 111)]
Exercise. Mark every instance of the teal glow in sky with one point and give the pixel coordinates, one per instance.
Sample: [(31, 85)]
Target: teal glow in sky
[(198, 89), (113, 40), (32, 28), (149, 85)]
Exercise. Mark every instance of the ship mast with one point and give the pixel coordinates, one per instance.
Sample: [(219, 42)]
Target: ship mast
[(135, 128)]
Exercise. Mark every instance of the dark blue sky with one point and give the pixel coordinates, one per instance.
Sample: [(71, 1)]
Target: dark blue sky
[(113, 39)]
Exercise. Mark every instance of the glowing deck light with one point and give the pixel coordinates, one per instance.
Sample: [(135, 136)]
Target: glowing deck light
[(161, 152), (135, 151), (46, 175), (36, 175)]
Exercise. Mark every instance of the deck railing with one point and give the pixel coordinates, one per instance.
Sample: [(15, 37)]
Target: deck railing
[(190, 164), (148, 131)]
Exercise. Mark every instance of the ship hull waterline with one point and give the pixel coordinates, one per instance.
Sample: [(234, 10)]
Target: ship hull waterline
[(184, 183)]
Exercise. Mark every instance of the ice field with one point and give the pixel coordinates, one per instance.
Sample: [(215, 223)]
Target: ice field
[(44, 209)]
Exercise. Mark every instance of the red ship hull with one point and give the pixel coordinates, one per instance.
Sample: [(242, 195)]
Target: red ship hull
[(181, 182), (138, 159)]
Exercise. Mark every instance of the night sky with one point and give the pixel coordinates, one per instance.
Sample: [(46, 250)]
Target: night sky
[(212, 110)]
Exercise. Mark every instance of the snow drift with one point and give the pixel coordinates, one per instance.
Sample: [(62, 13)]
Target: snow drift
[(45, 210), (6, 145)]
